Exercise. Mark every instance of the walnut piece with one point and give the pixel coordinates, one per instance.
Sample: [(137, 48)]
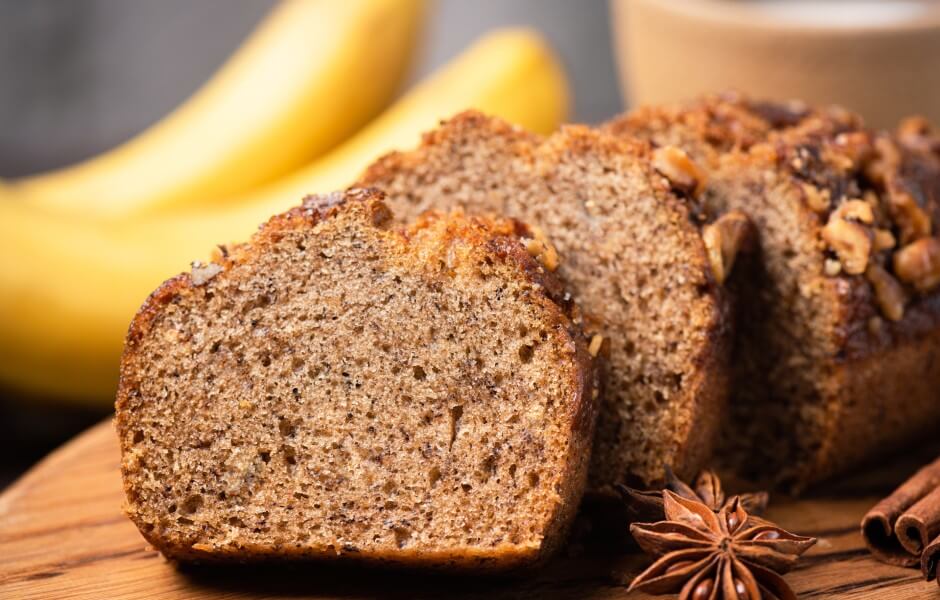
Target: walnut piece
[(884, 162), (889, 294), (883, 240), (855, 145), (817, 199), (681, 171), (541, 249), (201, 274), (916, 125), (916, 134), (595, 346), (857, 210), (912, 220), (724, 239), (918, 264), (832, 267), (850, 241), (839, 160)]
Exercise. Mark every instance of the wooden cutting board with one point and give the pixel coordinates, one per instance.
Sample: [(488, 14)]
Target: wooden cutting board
[(63, 536)]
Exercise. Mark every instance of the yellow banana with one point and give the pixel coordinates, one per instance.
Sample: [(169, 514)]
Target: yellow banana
[(311, 75), (69, 288), (487, 77)]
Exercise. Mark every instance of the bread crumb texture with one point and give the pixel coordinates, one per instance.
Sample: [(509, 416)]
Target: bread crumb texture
[(337, 387), (634, 258)]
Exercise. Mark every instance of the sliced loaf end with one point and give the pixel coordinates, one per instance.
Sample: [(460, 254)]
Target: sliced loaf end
[(836, 344), (337, 388)]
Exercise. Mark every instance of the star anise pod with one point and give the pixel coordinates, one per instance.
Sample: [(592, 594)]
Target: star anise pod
[(727, 555), (648, 505)]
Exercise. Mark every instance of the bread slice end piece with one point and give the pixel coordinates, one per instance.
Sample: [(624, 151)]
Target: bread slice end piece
[(339, 388)]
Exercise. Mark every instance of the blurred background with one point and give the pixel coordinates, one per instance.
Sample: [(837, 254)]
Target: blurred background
[(84, 76)]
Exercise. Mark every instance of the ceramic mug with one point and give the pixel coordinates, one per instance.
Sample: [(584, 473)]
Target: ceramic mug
[(879, 58)]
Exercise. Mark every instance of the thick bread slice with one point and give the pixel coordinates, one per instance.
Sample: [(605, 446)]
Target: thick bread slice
[(633, 255), (836, 363), (336, 388)]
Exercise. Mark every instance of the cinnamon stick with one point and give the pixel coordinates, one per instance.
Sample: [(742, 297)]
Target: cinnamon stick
[(930, 561), (898, 528), (920, 524)]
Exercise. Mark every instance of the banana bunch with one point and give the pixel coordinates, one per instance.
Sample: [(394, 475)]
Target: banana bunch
[(310, 75), (70, 285)]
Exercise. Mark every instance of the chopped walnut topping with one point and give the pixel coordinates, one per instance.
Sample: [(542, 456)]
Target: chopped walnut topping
[(765, 152), (839, 161), (856, 210), (855, 146), (681, 171), (916, 134), (201, 274), (845, 118), (885, 161), (595, 346), (832, 267), (850, 241), (913, 125), (723, 239), (889, 294), (817, 199), (918, 264), (541, 249), (883, 240), (913, 222)]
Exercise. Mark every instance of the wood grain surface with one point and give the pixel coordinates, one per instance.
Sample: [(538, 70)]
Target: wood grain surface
[(63, 536)]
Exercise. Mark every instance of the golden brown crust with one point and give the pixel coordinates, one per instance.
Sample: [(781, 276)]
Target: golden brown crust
[(469, 560), (725, 121), (494, 239), (710, 125), (448, 134)]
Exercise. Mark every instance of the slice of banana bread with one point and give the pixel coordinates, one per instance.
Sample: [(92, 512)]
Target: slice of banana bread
[(838, 322), (633, 255), (337, 388)]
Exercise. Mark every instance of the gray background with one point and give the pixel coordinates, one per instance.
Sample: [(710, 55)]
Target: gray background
[(79, 76)]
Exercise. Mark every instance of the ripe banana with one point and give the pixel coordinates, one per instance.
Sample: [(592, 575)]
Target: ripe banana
[(310, 76), (486, 76), (69, 288)]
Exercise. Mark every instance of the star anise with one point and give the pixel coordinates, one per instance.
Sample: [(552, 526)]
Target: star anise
[(727, 555), (648, 505)]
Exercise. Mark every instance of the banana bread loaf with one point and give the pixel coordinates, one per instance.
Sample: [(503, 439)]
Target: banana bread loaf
[(337, 388), (837, 356), (634, 257)]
